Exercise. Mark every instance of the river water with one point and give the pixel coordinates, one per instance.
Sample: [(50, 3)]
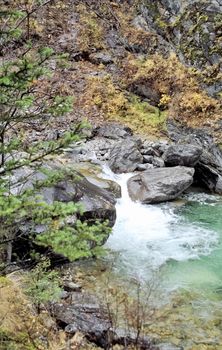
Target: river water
[(180, 242)]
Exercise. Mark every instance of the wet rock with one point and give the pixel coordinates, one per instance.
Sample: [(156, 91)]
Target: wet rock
[(160, 184), (113, 131), (185, 154), (125, 156)]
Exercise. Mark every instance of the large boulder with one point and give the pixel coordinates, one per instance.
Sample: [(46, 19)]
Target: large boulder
[(160, 184), (97, 202), (184, 154), (208, 169), (125, 156), (209, 177)]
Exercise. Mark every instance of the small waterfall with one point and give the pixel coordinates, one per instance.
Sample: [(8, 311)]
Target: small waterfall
[(148, 236)]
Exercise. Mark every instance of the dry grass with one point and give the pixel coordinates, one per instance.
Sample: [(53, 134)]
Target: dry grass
[(20, 326)]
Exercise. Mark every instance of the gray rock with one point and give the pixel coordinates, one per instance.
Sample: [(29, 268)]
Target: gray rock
[(70, 286), (160, 184), (101, 58), (83, 314), (109, 185), (91, 318), (98, 203), (147, 159), (208, 169), (72, 328), (167, 346), (145, 91), (183, 14), (113, 131), (185, 154), (208, 177), (125, 156), (64, 295), (143, 167), (158, 162), (149, 151)]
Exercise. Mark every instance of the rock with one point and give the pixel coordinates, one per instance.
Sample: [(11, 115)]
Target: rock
[(143, 167), (70, 286), (98, 203), (125, 156), (101, 58), (93, 150), (158, 162), (145, 91), (177, 17), (160, 184), (208, 177), (149, 151), (113, 131), (109, 185), (185, 154), (86, 315), (64, 295), (163, 146), (167, 346), (148, 159), (92, 175), (208, 169)]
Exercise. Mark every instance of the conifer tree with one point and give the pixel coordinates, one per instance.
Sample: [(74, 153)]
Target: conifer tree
[(26, 98)]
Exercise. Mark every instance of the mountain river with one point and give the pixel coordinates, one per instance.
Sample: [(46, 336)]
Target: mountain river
[(180, 243)]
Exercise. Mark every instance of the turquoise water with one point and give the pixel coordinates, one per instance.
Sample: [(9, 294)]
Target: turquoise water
[(203, 273), (177, 246)]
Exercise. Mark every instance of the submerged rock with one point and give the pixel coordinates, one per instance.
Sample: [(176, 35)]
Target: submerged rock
[(160, 184)]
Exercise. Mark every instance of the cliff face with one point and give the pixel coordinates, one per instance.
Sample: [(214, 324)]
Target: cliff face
[(193, 29)]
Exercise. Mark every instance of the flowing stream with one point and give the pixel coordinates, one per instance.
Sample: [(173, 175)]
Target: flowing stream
[(181, 241)]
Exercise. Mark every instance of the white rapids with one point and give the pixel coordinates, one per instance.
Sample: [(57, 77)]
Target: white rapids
[(147, 236)]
